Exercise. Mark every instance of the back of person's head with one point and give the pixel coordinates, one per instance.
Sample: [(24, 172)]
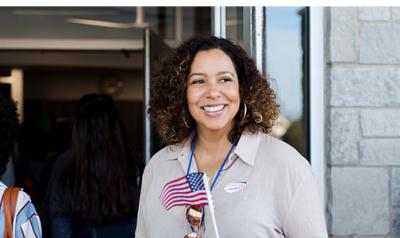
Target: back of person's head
[(8, 130), (96, 125), (99, 186)]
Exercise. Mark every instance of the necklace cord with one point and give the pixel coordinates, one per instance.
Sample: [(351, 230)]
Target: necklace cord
[(220, 168)]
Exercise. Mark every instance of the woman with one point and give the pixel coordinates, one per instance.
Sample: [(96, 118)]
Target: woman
[(214, 108), (26, 220), (93, 187)]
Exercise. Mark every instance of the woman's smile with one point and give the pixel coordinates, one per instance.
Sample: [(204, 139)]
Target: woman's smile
[(213, 108)]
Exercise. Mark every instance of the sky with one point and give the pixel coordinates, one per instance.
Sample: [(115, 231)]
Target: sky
[(284, 58)]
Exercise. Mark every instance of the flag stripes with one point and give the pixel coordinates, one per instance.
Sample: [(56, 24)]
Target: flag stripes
[(187, 190)]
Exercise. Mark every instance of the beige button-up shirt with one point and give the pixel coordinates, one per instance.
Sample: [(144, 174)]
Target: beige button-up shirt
[(277, 197)]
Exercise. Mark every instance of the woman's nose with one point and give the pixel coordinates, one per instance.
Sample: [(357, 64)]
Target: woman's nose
[(213, 90)]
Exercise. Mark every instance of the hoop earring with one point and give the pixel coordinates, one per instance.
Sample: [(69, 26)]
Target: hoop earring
[(244, 112), (185, 123)]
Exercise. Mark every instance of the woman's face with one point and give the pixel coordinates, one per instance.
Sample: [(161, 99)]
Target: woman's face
[(213, 91)]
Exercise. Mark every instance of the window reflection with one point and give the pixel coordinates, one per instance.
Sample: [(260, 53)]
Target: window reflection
[(234, 23), (287, 65)]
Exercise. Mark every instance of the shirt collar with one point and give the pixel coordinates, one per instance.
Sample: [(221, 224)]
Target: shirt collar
[(246, 150), (181, 152), (247, 147), (177, 151), (2, 184)]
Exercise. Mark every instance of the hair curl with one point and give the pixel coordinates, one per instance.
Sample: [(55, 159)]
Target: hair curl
[(168, 102)]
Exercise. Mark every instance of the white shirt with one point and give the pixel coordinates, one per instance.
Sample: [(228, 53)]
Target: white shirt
[(26, 220), (279, 200)]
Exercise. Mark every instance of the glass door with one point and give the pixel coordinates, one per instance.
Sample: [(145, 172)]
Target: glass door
[(277, 39), (154, 49), (288, 66)]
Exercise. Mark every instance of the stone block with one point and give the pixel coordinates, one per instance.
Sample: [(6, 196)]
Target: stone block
[(382, 236), (343, 34), (344, 136), (360, 201), (380, 152), (396, 222), (396, 190), (365, 87), (379, 44), (374, 13), (380, 122), (396, 13)]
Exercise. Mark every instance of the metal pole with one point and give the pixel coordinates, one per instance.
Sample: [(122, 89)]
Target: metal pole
[(219, 21), (146, 101), (258, 35), (318, 103), (178, 24)]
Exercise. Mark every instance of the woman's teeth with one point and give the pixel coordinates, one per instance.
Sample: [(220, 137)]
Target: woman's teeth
[(213, 108)]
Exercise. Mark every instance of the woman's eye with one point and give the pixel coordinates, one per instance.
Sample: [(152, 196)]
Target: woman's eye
[(197, 81), (226, 79)]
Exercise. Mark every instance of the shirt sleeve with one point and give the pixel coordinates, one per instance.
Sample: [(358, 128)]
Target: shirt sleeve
[(305, 217), (27, 222)]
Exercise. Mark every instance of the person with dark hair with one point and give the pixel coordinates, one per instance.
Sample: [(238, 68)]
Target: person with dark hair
[(26, 222), (214, 109), (93, 187)]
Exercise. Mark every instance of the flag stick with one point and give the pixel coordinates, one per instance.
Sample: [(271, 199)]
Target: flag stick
[(210, 204)]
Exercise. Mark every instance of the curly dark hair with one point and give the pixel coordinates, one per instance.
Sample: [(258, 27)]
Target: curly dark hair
[(8, 130), (168, 103)]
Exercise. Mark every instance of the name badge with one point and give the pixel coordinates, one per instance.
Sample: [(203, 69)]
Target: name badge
[(235, 187)]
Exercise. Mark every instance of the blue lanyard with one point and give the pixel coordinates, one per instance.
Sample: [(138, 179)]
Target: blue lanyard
[(220, 168)]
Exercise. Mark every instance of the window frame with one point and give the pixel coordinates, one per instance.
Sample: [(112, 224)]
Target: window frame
[(316, 102)]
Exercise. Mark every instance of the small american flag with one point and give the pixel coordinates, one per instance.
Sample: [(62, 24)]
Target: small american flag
[(187, 190)]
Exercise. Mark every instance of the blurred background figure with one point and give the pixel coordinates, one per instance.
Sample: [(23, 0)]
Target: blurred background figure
[(26, 220), (93, 187)]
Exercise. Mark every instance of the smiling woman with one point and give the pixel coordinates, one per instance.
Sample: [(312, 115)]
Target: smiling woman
[(213, 91), (214, 108), (173, 81)]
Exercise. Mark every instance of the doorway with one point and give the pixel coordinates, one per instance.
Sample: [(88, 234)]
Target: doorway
[(53, 82)]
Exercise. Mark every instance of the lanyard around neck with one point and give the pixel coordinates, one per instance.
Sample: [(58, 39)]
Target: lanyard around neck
[(220, 168)]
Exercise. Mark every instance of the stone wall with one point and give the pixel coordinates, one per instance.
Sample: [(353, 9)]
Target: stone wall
[(364, 121)]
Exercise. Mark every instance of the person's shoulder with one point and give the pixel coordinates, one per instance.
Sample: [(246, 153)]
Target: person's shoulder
[(280, 154), (63, 158), (26, 217), (159, 159), (2, 189), (23, 197), (61, 161), (275, 144), (57, 168), (24, 208), (2, 186), (162, 155)]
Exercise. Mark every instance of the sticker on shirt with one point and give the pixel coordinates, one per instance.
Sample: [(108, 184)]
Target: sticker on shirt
[(235, 187)]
